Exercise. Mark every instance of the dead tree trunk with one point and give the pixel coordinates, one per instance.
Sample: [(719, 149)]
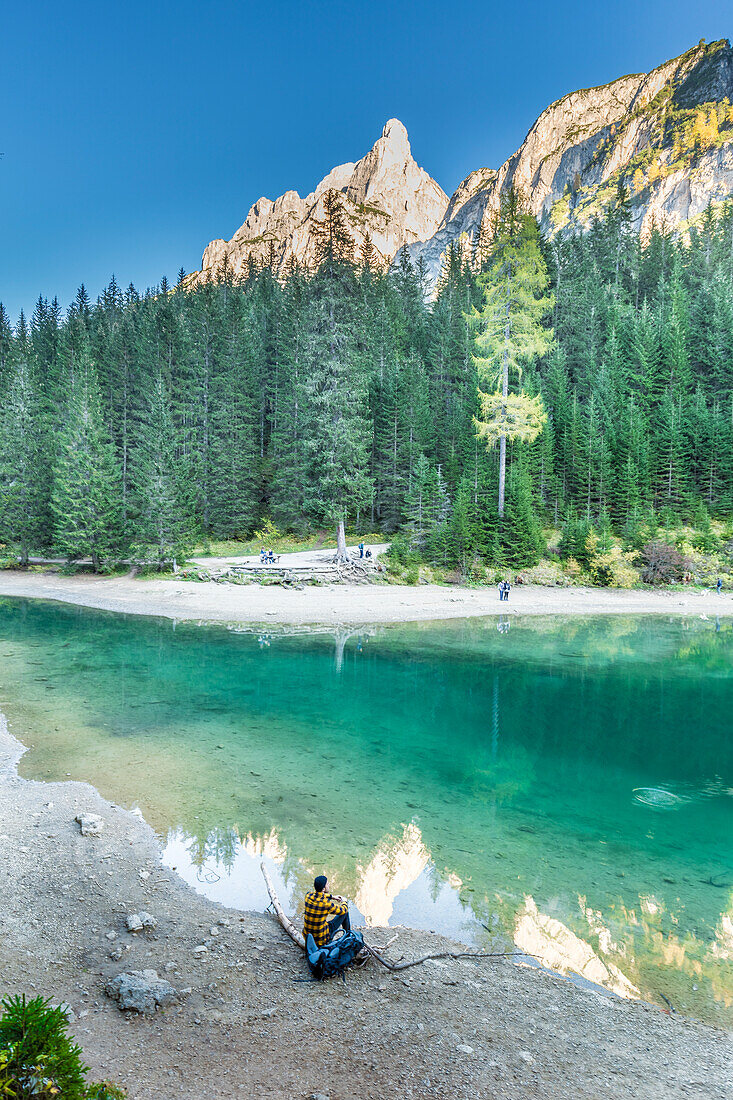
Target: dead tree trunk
[(341, 554), (285, 920)]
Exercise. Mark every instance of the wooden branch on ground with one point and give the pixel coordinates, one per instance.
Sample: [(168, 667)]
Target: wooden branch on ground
[(284, 919), (440, 955)]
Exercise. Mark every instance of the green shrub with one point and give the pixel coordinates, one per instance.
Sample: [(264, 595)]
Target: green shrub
[(43, 1060), (104, 1090), (401, 551), (39, 1059)]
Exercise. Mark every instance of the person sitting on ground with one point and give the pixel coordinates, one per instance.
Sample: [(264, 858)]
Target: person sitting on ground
[(263, 555), (318, 905), (368, 553)]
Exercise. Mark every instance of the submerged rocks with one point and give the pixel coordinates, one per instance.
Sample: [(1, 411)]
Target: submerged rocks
[(141, 991), (89, 824)]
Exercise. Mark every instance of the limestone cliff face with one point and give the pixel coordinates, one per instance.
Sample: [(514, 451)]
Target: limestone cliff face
[(667, 134), (385, 194)]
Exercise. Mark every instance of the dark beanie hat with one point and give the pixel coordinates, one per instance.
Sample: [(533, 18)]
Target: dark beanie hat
[(320, 882)]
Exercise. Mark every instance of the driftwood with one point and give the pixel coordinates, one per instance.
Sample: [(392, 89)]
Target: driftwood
[(298, 938), (284, 919), (440, 955)]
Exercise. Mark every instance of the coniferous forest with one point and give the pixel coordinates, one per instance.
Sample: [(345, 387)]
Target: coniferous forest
[(581, 384)]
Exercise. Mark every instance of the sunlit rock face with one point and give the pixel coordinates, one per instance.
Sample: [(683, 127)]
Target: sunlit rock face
[(385, 194), (268, 846), (393, 867), (555, 946), (654, 131)]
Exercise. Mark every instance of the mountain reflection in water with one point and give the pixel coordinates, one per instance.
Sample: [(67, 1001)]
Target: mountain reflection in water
[(564, 786)]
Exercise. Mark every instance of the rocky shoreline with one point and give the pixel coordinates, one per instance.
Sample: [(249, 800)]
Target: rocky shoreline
[(245, 1022)]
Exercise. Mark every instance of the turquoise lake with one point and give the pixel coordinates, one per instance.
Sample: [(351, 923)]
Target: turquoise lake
[(562, 785)]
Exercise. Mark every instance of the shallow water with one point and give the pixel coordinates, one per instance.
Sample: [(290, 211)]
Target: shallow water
[(561, 784)]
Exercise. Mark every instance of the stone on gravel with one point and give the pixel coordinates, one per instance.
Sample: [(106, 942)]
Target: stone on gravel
[(89, 824), (139, 922), (141, 991)]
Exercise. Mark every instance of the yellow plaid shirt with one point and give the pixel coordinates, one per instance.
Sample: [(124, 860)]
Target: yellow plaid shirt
[(318, 908)]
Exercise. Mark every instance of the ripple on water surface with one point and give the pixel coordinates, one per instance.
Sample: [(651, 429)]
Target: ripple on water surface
[(561, 784)]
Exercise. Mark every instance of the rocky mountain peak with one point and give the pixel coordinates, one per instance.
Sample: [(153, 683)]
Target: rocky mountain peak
[(386, 195), (667, 135)]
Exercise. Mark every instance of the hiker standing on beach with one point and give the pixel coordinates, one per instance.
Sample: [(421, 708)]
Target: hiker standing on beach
[(501, 591), (507, 589), (719, 585)]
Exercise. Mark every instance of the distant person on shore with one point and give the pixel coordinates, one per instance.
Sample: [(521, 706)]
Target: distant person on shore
[(507, 590), (263, 555), (719, 585), (318, 906), (501, 591), (361, 549)]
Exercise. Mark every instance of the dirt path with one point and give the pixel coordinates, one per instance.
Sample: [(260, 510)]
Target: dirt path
[(251, 1027), (347, 604)]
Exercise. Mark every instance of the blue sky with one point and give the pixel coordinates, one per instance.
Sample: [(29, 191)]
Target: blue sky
[(134, 133)]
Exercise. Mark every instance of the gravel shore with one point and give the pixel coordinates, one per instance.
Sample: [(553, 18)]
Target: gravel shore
[(252, 1027), (348, 604)]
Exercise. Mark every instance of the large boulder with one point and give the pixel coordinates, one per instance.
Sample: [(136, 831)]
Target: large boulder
[(141, 991)]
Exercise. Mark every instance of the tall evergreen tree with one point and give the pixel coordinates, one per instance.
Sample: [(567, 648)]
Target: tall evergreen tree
[(86, 498), (510, 330), (24, 474)]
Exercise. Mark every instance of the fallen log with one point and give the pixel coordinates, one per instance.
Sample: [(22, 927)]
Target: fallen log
[(282, 916)]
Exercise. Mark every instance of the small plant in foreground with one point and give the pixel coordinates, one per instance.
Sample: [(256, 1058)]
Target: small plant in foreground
[(39, 1059)]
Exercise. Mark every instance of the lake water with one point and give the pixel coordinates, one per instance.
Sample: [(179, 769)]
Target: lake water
[(564, 785)]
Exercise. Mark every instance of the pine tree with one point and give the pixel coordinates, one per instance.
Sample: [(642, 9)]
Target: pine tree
[(332, 239), (334, 389), (24, 477), (163, 530), (86, 497)]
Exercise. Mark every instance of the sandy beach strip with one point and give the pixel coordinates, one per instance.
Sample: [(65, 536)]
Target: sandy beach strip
[(349, 604)]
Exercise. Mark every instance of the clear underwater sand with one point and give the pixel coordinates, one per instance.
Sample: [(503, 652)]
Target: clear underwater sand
[(565, 785)]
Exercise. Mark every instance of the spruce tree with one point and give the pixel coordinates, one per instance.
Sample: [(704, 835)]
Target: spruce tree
[(163, 530), (86, 497), (24, 473)]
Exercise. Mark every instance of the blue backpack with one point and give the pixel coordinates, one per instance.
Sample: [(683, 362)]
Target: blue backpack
[(333, 958)]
